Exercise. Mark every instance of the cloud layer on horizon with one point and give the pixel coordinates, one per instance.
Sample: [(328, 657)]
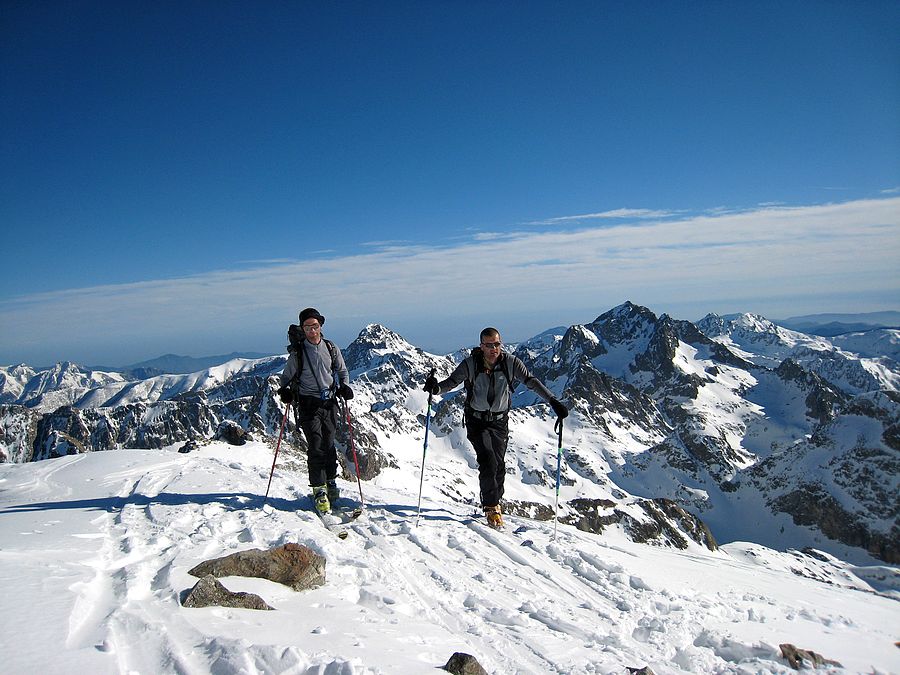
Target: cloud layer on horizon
[(769, 252)]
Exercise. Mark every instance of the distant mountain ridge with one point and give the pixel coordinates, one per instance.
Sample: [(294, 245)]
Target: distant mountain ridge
[(765, 433), (831, 325), (175, 364)]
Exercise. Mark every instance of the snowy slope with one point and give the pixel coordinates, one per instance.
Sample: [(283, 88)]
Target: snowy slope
[(96, 550), (877, 343)]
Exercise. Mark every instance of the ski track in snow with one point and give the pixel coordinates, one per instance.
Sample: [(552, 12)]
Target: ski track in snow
[(398, 597)]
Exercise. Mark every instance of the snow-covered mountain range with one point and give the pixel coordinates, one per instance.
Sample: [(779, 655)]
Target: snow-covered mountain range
[(734, 424)]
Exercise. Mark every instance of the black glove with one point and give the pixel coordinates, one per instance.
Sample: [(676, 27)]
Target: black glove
[(431, 385), (345, 392), (561, 411), (287, 396)]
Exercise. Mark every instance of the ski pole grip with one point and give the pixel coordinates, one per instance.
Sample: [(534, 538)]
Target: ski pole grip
[(430, 375)]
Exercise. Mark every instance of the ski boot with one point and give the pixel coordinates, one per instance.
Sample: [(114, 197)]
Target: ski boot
[(334, 492), (320, 499), (494, 519)]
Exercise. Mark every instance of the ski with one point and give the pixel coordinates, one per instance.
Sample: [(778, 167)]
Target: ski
[(338, 520), (336, 526), (348, 509)]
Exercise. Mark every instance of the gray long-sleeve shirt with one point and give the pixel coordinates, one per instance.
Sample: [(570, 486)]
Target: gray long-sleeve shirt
[(317, 369), (494, 379)]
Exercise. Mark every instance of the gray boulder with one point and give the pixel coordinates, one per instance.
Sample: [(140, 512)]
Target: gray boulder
[(208, 592), (293, 565), (464, 664), (231, 432)]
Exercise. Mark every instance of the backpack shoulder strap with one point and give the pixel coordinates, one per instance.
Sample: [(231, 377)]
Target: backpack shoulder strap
[(295, 380), (507, 367), (332, 352), (471, 374), (296, 338), (507, 370)]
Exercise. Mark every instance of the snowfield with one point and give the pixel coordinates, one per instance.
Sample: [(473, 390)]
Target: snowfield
[(96, 548)]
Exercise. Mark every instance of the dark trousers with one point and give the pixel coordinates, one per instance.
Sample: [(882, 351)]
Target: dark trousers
[(318, 420), (489, 438)]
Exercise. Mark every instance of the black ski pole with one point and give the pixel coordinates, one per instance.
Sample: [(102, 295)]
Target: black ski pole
[(424, 450), (558, 427), (362, 503), (275, 458)]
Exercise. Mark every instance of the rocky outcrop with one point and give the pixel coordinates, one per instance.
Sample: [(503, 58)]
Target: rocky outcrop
[(293, 565), (296, 566), (823, 401), (811, 505), (592, 515), (673, 520), (464, 664), (231, 432), (372, 460), (208, 592), (666, 524), (804, 658), (18, 433), (662, 521)]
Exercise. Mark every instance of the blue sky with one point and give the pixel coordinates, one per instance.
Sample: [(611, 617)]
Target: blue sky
[(184, 179)]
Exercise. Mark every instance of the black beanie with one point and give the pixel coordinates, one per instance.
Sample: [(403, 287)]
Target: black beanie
[(311, 313)]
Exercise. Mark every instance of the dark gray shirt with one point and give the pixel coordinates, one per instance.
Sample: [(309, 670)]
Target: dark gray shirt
[(317, 369), (494, 379)]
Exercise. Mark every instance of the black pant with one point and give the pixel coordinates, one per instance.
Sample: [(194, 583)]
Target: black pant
[(318, 419), (489, 438)]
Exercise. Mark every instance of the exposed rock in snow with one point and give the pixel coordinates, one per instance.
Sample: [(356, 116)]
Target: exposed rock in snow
[(209, 592), (297, 567)]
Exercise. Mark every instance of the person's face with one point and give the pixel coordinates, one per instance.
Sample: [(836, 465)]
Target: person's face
[(491, 347), (312, 330)]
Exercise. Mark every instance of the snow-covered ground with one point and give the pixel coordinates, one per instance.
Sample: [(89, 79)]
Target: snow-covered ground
[(96, 547)]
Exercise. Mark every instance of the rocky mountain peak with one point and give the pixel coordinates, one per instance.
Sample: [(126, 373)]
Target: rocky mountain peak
[(712, 325), (624, 322), (62, 375), (755, 328), (13, 380), (579, 341), (377, 343), (381, 337)]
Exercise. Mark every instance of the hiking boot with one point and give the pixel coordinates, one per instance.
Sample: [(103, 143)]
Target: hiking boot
[(320, 499), (494, 519), (334, 492)]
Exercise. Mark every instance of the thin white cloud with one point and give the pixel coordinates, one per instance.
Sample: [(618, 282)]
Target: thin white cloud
[(385, 243), (267, 261), (614, 214), (496, 236), (852, 247)]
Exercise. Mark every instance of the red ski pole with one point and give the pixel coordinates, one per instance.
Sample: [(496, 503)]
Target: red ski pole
[(277, 446), (362, 502)]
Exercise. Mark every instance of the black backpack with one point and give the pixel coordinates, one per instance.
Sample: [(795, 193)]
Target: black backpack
[(296, 338), (478, 362)]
